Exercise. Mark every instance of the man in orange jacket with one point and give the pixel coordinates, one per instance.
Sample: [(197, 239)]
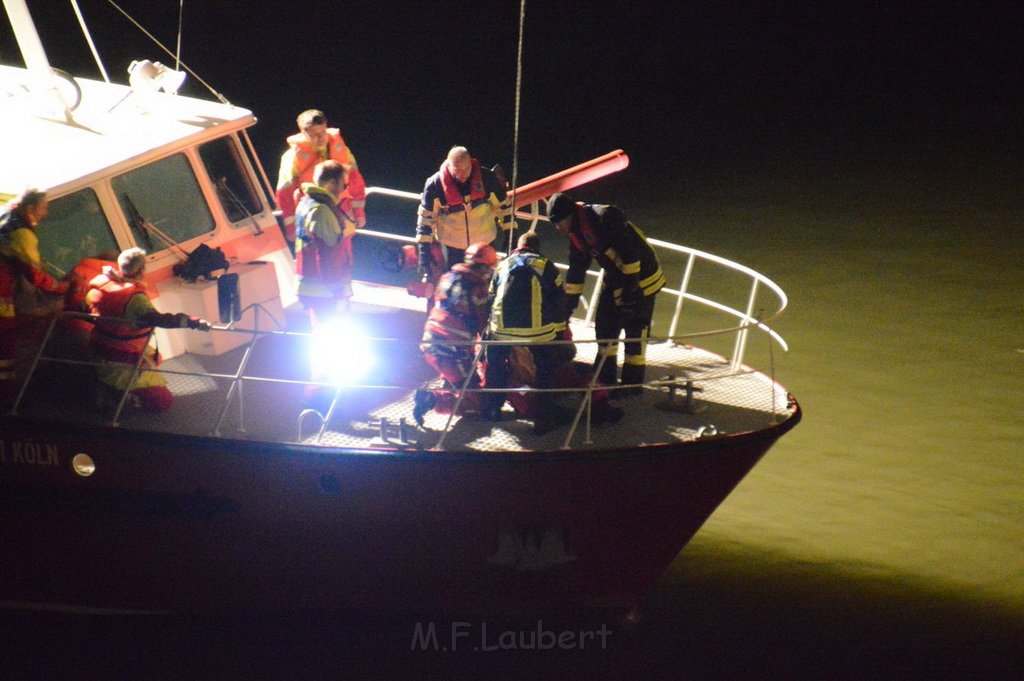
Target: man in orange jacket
[(122, 333), (314, 143)]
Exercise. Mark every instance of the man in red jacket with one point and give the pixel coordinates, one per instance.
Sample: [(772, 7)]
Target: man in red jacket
[(460, 312)]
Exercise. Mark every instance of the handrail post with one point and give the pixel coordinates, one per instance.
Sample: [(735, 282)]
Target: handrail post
[(741, 336), (458, 399), (35, 363), (684, 284), (592, 309), (136, 374), (586, 403)]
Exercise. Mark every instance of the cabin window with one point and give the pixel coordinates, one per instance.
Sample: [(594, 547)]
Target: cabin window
[(227, 172), (75, 228), (163, 203)]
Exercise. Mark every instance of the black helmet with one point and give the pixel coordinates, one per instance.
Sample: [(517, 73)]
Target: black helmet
[(560, 206)]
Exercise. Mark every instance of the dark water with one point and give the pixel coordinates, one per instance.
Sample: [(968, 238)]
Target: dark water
[(870, 162)]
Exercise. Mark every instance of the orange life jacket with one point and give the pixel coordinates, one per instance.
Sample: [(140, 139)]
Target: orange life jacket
[(116, 340), (304, 159)]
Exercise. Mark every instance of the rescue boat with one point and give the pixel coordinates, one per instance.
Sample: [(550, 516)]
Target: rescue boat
[(243, 496)]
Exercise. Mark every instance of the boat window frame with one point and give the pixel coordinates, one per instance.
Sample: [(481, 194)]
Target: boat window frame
[(53, 235), (144, 197), (245, 179)]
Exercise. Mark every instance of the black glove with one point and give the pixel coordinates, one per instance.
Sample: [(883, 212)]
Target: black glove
[(197, 324), (571, 302), (631, 297)]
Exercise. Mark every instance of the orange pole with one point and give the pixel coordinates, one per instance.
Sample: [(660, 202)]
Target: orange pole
[(594, 169)]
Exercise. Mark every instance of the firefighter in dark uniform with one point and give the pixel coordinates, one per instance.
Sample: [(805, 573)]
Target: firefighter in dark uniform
[(632, 279), (527, 304)]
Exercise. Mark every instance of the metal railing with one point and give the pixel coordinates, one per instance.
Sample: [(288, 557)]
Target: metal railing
[(742, 321), (745, 318)]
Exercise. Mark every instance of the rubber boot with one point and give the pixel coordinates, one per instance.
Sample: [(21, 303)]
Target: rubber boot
[(633, 375)]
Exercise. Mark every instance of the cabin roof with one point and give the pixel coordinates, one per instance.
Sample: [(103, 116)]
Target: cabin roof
[(112, 128)]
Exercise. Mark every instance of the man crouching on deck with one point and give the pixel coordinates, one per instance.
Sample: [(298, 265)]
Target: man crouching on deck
[(122, 333)]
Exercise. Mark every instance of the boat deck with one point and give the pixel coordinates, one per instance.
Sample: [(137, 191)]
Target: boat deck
[(268, 399)]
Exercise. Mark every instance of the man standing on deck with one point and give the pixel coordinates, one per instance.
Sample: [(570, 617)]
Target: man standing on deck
[(463, 203), (633, 278), (314, 143), (122, 334), (20, 265), (323, 248)]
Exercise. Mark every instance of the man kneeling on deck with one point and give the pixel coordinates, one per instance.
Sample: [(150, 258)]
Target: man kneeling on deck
[(121, 335), (460, 312)]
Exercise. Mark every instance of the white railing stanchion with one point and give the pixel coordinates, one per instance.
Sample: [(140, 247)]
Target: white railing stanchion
[(741, 336), (681, 296)]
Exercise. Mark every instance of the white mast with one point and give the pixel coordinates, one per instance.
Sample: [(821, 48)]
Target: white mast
[(40, 74)]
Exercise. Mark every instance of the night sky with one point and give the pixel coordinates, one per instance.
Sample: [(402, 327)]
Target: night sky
[(685, 90)]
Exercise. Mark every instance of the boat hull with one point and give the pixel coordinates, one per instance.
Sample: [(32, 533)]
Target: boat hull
[(186, 524)]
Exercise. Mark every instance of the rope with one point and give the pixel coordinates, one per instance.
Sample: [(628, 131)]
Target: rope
[(515, 127), (221, 98), (88, 39), (177, 50)]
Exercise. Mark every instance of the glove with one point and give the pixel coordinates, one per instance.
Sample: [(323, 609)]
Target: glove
[(186, 322), (571, 302), (631, 297), (426, 261)]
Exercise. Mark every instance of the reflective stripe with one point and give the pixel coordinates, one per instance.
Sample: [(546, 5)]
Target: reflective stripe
[(573, 289), (631, 268), (635, 360), (613, 255), (653, 283), (433, 326)]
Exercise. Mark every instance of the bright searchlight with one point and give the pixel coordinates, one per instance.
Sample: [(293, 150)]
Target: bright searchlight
[(341, 353), (146, 76)]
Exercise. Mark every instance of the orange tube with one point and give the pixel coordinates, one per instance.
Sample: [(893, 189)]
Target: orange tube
[(594, 169)]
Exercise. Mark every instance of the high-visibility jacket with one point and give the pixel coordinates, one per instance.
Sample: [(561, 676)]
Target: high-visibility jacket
[(462, 213), (604, 234), (319, 260), (19, 257), (297, 166), (526, 298), (460, 311)]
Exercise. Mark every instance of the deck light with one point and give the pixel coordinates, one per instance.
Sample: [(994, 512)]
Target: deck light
[(146, 76), (341, 352), (83, 465)]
